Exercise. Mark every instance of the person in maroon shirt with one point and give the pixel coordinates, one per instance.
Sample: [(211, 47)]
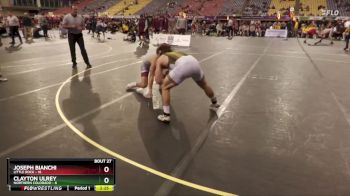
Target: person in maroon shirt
[(166, 24), (156, 24), (143, 28), (163, 24)]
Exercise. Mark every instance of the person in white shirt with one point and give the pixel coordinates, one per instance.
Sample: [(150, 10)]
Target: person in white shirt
[(219, 29), (230, 28), (13, 23)]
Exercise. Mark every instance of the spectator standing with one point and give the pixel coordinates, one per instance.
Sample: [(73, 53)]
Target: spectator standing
[(219, 28), (13, 23), (93, 25), (27, 27), (142, 29), (171, 24), (156, 25), (181, 25), (230, 28), (2, 31), (44, 25), (2, 28)]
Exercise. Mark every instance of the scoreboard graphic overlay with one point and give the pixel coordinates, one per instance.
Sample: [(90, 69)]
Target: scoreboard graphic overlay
[(94, 174)]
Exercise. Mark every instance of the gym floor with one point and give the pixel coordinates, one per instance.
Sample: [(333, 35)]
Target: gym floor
[(283, 128)]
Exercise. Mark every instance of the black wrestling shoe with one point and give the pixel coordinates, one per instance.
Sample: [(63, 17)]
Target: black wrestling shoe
[(214, 107), (165, 118)]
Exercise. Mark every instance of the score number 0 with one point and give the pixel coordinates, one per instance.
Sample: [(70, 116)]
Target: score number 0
[(106, 170)]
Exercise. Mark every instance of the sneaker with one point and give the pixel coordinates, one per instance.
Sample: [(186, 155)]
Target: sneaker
[(164, 118), (88, 66), (214, 106), (130, 86)]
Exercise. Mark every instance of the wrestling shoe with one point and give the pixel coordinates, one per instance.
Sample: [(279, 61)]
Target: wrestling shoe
[(214, 106), (144, 92), (147, 94), (164, 118), (139, 90), (130, 86)]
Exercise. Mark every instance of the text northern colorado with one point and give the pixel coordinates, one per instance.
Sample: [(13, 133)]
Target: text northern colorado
[(34, 179)]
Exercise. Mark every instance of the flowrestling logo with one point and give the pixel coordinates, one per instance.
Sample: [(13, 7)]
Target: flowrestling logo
[(329, 12)]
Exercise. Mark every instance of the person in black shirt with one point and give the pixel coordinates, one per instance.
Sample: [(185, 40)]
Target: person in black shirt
[(93, 24), (27, 24), (44, 25)]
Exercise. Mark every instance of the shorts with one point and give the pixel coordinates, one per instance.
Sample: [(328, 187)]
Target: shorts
[(312, 32), (146, 65), (186, 67)]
